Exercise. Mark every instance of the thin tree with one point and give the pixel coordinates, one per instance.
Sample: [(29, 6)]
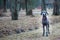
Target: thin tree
[(26, 6), (28, 11), (4, 8), (56, 8), (43, 5), (14, 11)]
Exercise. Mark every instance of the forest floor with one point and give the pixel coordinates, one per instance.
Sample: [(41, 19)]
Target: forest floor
[(26, 22), (35, 34)]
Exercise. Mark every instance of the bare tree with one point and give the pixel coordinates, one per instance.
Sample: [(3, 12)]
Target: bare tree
[(43, 5), (14, 11), (56, 7), (28, 10), (4, 8)]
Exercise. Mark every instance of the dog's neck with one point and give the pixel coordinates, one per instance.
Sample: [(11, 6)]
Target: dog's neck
[(44, 18)]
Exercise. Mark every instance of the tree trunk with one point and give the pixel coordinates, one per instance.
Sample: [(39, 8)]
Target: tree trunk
[(15, 13), (26, 6), (56, 8), (0, 8), (43, 5), (28, 11), (4, 8)]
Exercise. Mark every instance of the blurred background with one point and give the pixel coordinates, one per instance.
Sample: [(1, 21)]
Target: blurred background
[(21, 19)]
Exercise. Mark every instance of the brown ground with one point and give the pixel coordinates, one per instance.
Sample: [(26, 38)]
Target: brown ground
[(30, 22)]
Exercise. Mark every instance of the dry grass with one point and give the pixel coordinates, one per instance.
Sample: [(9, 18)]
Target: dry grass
[(30, 22), (55, 19), (24, 23)]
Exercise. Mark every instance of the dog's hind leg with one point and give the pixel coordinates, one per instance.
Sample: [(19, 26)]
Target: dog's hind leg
[(48, 29)]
